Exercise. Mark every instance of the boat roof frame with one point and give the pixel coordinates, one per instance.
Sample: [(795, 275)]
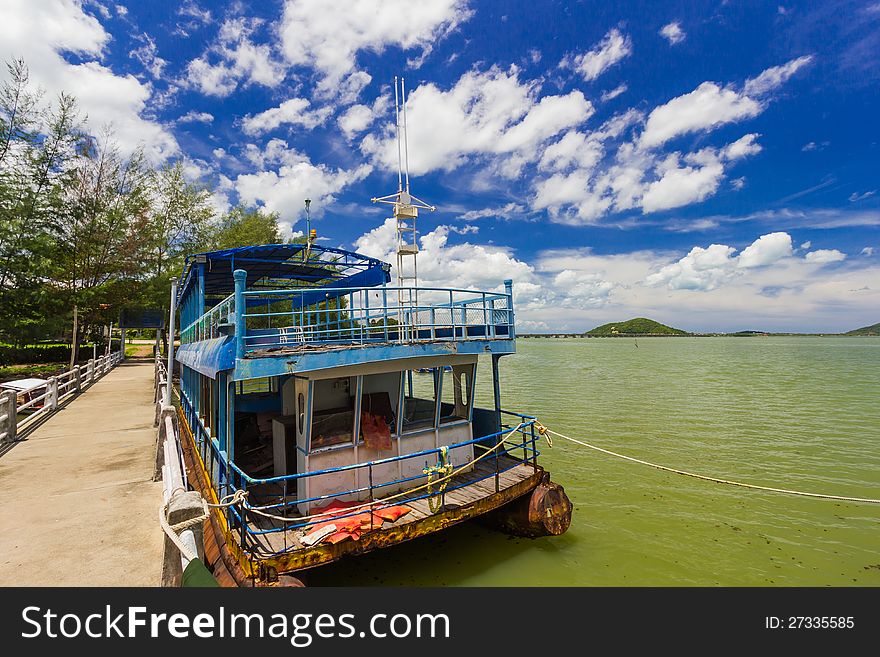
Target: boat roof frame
[(272, 266)]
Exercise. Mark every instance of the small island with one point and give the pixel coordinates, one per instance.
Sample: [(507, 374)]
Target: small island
[(640, 326), (874, 329)]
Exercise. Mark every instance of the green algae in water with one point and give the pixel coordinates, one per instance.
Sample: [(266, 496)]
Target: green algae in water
[(792, 412)]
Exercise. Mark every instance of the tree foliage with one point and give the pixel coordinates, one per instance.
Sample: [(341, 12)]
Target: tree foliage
[(84, 226)]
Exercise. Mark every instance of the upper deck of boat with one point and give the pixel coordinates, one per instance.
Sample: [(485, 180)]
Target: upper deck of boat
[(252, 310)]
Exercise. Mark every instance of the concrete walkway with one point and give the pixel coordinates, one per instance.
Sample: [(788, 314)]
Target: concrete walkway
[(79, 507)]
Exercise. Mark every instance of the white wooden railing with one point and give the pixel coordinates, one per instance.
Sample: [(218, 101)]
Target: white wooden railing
[(180, 505), (58, 388)]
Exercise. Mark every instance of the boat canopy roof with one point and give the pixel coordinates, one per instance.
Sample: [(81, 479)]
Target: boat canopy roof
[(273, 266)]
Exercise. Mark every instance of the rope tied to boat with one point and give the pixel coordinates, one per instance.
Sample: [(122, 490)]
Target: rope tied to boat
[(443, 467), (173, 531), (545, 432), (717, 480)]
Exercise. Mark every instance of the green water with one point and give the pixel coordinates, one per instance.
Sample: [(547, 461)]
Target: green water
[(797, 412)]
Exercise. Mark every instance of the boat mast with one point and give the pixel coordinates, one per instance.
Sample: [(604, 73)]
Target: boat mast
[(406, 211)]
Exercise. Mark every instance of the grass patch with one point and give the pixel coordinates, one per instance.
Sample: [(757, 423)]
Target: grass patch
[(33, 370)]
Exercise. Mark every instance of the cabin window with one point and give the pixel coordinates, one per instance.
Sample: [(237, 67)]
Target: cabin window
[(332, 412), (456, 393), (301, 412), (264, 386), (419, 398), (379, 403)]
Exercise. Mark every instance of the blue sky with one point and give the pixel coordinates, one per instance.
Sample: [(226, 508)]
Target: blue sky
[(710, 165)]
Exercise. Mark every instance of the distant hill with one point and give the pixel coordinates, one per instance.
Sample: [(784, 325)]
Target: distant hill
[(874, 329), (637, 326)]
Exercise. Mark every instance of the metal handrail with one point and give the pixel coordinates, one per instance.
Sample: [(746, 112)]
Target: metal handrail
[(361, 322)]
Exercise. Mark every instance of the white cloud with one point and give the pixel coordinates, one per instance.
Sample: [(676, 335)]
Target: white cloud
[(775, 76), (99, 7), (195, 169), (673, 33), (582, 289), (742, 147), (765, 250), (509, 211), (191, 9), (148, 57), (42, 32), (701, 269), (497, 119), (441, 264), (235, 59), (856, 197), (293, 179), (638, 174), (806, 245), (294, 111), (273, 152), (715, 266), (824, 256), (614, 93), (568, 190), (708, 106), (196, 117), (484, 113), (326, 35), (867, 251), (574, 149), (813, 146), (699, 178), (608, 52), (358, 118), (681, 185)]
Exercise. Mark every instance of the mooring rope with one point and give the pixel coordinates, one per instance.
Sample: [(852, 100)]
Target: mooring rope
[(173, 531), (544, 431)]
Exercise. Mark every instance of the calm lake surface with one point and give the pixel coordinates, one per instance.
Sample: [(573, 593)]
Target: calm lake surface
[(798, 412)]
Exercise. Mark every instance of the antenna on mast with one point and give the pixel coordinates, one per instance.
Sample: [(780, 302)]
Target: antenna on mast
[(310, 236), (406, 210)]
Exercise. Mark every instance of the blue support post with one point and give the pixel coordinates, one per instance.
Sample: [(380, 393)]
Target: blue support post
[(221, 410), (240, 277), (496, 391), (508, 290)]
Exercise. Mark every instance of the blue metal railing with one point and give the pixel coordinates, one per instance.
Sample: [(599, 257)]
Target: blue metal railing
[(279, 318), (208, 325), (355, 315), (227, 477)]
